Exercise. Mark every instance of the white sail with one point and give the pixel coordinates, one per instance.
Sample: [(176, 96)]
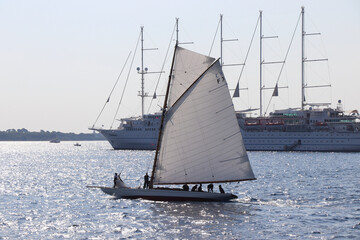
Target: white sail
[(201, 140), (188, 66)]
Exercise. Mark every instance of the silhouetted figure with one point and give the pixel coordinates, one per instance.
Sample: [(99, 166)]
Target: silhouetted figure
[(193, 189), (210, 187), (185, 187), (200, 188), (221, 189), (115, 178), (146, 181)]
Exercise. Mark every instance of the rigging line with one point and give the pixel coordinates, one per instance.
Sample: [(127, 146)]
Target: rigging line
[(127, 78), (108, 99), (248, 51), (212, 44), (162, 68), (325, 54), (328, 68), (287, 53)]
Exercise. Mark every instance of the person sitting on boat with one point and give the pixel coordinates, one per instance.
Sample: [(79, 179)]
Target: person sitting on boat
[(185, 187), (193, 189), (146, 181), (221, 189), (210, 187), (115, 178), (200, 188)]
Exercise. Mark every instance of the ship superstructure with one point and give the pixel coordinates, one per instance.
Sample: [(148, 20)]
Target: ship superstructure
[(302, 130)]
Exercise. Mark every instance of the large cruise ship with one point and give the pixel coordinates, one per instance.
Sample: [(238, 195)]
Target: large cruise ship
[(284, 130), (309, 128), (136, 133)]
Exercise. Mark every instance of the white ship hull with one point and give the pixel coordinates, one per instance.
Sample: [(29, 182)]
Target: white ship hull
[(302, 141), (326, 130), (125, 140), (254, 141)]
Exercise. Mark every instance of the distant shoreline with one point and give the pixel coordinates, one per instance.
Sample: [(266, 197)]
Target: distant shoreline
[(25, 135)]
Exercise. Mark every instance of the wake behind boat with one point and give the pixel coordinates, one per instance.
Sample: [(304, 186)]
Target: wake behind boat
[(197, 98)]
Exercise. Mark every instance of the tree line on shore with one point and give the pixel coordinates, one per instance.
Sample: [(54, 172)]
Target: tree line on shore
[(25, 135)]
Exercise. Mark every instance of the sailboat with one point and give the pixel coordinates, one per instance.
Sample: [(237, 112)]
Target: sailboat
[(199, 140)]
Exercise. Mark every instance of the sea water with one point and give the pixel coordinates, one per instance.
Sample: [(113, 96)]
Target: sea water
[(297, 195)]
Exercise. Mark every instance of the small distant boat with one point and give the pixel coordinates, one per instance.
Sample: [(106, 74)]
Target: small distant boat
[(77, 144), (56, 140)]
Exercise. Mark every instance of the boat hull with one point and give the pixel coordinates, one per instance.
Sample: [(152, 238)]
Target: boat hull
[(302, 141), (124, 140), (257, 141), (167, 195), (329, 134)]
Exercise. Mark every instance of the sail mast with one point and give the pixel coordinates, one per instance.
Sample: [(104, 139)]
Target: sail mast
[(305, 60), (302, 59), (177, 31), (221, 40), (151, 184), (142, 72), (261, 62)]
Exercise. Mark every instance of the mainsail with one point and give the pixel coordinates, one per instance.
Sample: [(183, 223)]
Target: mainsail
[(188, 66), (201, 140)]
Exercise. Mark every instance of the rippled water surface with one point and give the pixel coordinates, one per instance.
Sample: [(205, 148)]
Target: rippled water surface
[(296, 196)]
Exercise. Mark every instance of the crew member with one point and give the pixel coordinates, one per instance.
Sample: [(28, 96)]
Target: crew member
[(115, 178), (210, 187), (146, 181), (221, 189)]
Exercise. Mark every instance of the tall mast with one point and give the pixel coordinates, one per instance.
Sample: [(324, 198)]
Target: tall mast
[(142, 71), (302, 59), (221, 40), (177, 31), (151, 184), (261, 62)]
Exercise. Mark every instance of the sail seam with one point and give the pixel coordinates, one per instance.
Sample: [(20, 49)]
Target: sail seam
[(231, 136), (224, 109), (232, 159), (217, 88)]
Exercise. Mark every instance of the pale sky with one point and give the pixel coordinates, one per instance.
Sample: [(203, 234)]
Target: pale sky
[(60, 59)]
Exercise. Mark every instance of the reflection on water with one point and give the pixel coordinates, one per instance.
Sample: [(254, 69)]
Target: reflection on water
[(296, 196)]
